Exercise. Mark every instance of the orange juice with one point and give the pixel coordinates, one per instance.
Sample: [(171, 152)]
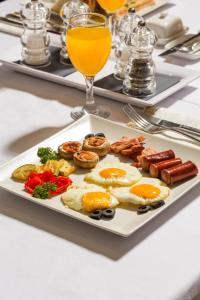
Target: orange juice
[(89, 48), (111, 5)]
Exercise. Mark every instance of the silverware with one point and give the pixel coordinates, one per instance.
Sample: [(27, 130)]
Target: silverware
[(160, 122), (178, 46), (152, 127), (191, 48)]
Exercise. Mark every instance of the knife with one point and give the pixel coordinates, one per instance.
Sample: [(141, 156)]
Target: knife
[(178, 46), (164, 123)]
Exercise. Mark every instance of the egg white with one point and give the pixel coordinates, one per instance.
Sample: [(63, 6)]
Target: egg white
[(72, 198), (132, 175), (124, 195)]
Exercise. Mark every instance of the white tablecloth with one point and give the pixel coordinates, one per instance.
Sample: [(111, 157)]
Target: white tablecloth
[(45, 255)]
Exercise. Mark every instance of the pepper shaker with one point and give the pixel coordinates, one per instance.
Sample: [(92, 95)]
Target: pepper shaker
[(35, 39), (125, 27), (140, 73)]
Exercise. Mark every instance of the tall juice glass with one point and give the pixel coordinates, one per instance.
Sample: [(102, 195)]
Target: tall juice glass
[(89, 44), (111, 7)]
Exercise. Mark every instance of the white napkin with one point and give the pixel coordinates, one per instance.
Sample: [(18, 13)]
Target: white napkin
[(174, 116)]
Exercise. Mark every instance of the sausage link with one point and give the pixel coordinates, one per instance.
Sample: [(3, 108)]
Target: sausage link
[(155, 169), (179, 172), (154, 158)]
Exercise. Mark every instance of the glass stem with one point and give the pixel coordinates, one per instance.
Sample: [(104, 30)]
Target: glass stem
[(90, 106)]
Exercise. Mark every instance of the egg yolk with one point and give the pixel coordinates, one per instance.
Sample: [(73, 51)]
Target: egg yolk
[(147, 191), (112, 172), (96, 200)]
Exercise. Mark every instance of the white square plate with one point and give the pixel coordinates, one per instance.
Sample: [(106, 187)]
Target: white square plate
[(126, 221)]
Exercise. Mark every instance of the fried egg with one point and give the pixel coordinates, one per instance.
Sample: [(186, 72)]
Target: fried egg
[(114, 174), (88, 197), (144, 192)]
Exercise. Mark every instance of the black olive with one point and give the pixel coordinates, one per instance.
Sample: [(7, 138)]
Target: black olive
[(97, 214), (143, 209), (89, 135), (109, 213), (157, 204), (100, 134)]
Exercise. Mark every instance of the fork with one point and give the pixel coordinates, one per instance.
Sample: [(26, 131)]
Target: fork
[(147, 126)]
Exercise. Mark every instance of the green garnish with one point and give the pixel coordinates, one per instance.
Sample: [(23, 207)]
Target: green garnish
[(42, 191), (46, 154)]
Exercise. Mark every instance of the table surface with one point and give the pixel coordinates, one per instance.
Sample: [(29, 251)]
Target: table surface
[(45, 255)]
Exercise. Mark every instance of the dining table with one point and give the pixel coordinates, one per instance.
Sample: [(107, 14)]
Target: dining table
[(45, 255)]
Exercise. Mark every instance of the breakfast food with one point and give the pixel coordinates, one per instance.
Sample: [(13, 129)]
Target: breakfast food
[(138, 160), (97, 143), (45, 185), (57, 167), (155, 169), (140, 4), (179, 172), (108, 184), (88, 197), (98, 214), (154, 158), (86, 159), (114, 174), (68, 149), (47, 153), (128, 146), (154, 205), (144, 192), (22, 173)]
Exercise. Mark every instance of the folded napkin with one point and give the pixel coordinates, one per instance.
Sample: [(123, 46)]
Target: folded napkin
[(174, 116), (170, 115)]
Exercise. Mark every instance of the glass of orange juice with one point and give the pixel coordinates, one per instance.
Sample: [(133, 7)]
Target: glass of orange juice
[(111, 7), (89, 44)]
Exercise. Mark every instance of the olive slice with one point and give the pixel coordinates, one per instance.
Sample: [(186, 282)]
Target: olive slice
[(143, 209), (109, 213), (96, 215), (157, 204), (100, 134), (89, 135)]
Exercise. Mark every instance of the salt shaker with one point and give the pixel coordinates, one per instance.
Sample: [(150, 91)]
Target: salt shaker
[(125, 27), (35, 39), (69, 9), (140, 73)]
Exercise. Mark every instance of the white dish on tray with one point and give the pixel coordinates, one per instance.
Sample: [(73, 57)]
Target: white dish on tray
[(163, 42), (126, 221), (76, 80)]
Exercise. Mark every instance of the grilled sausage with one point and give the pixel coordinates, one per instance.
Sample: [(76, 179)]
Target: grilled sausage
[(155, 169), (154, 158), (179, 172)]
